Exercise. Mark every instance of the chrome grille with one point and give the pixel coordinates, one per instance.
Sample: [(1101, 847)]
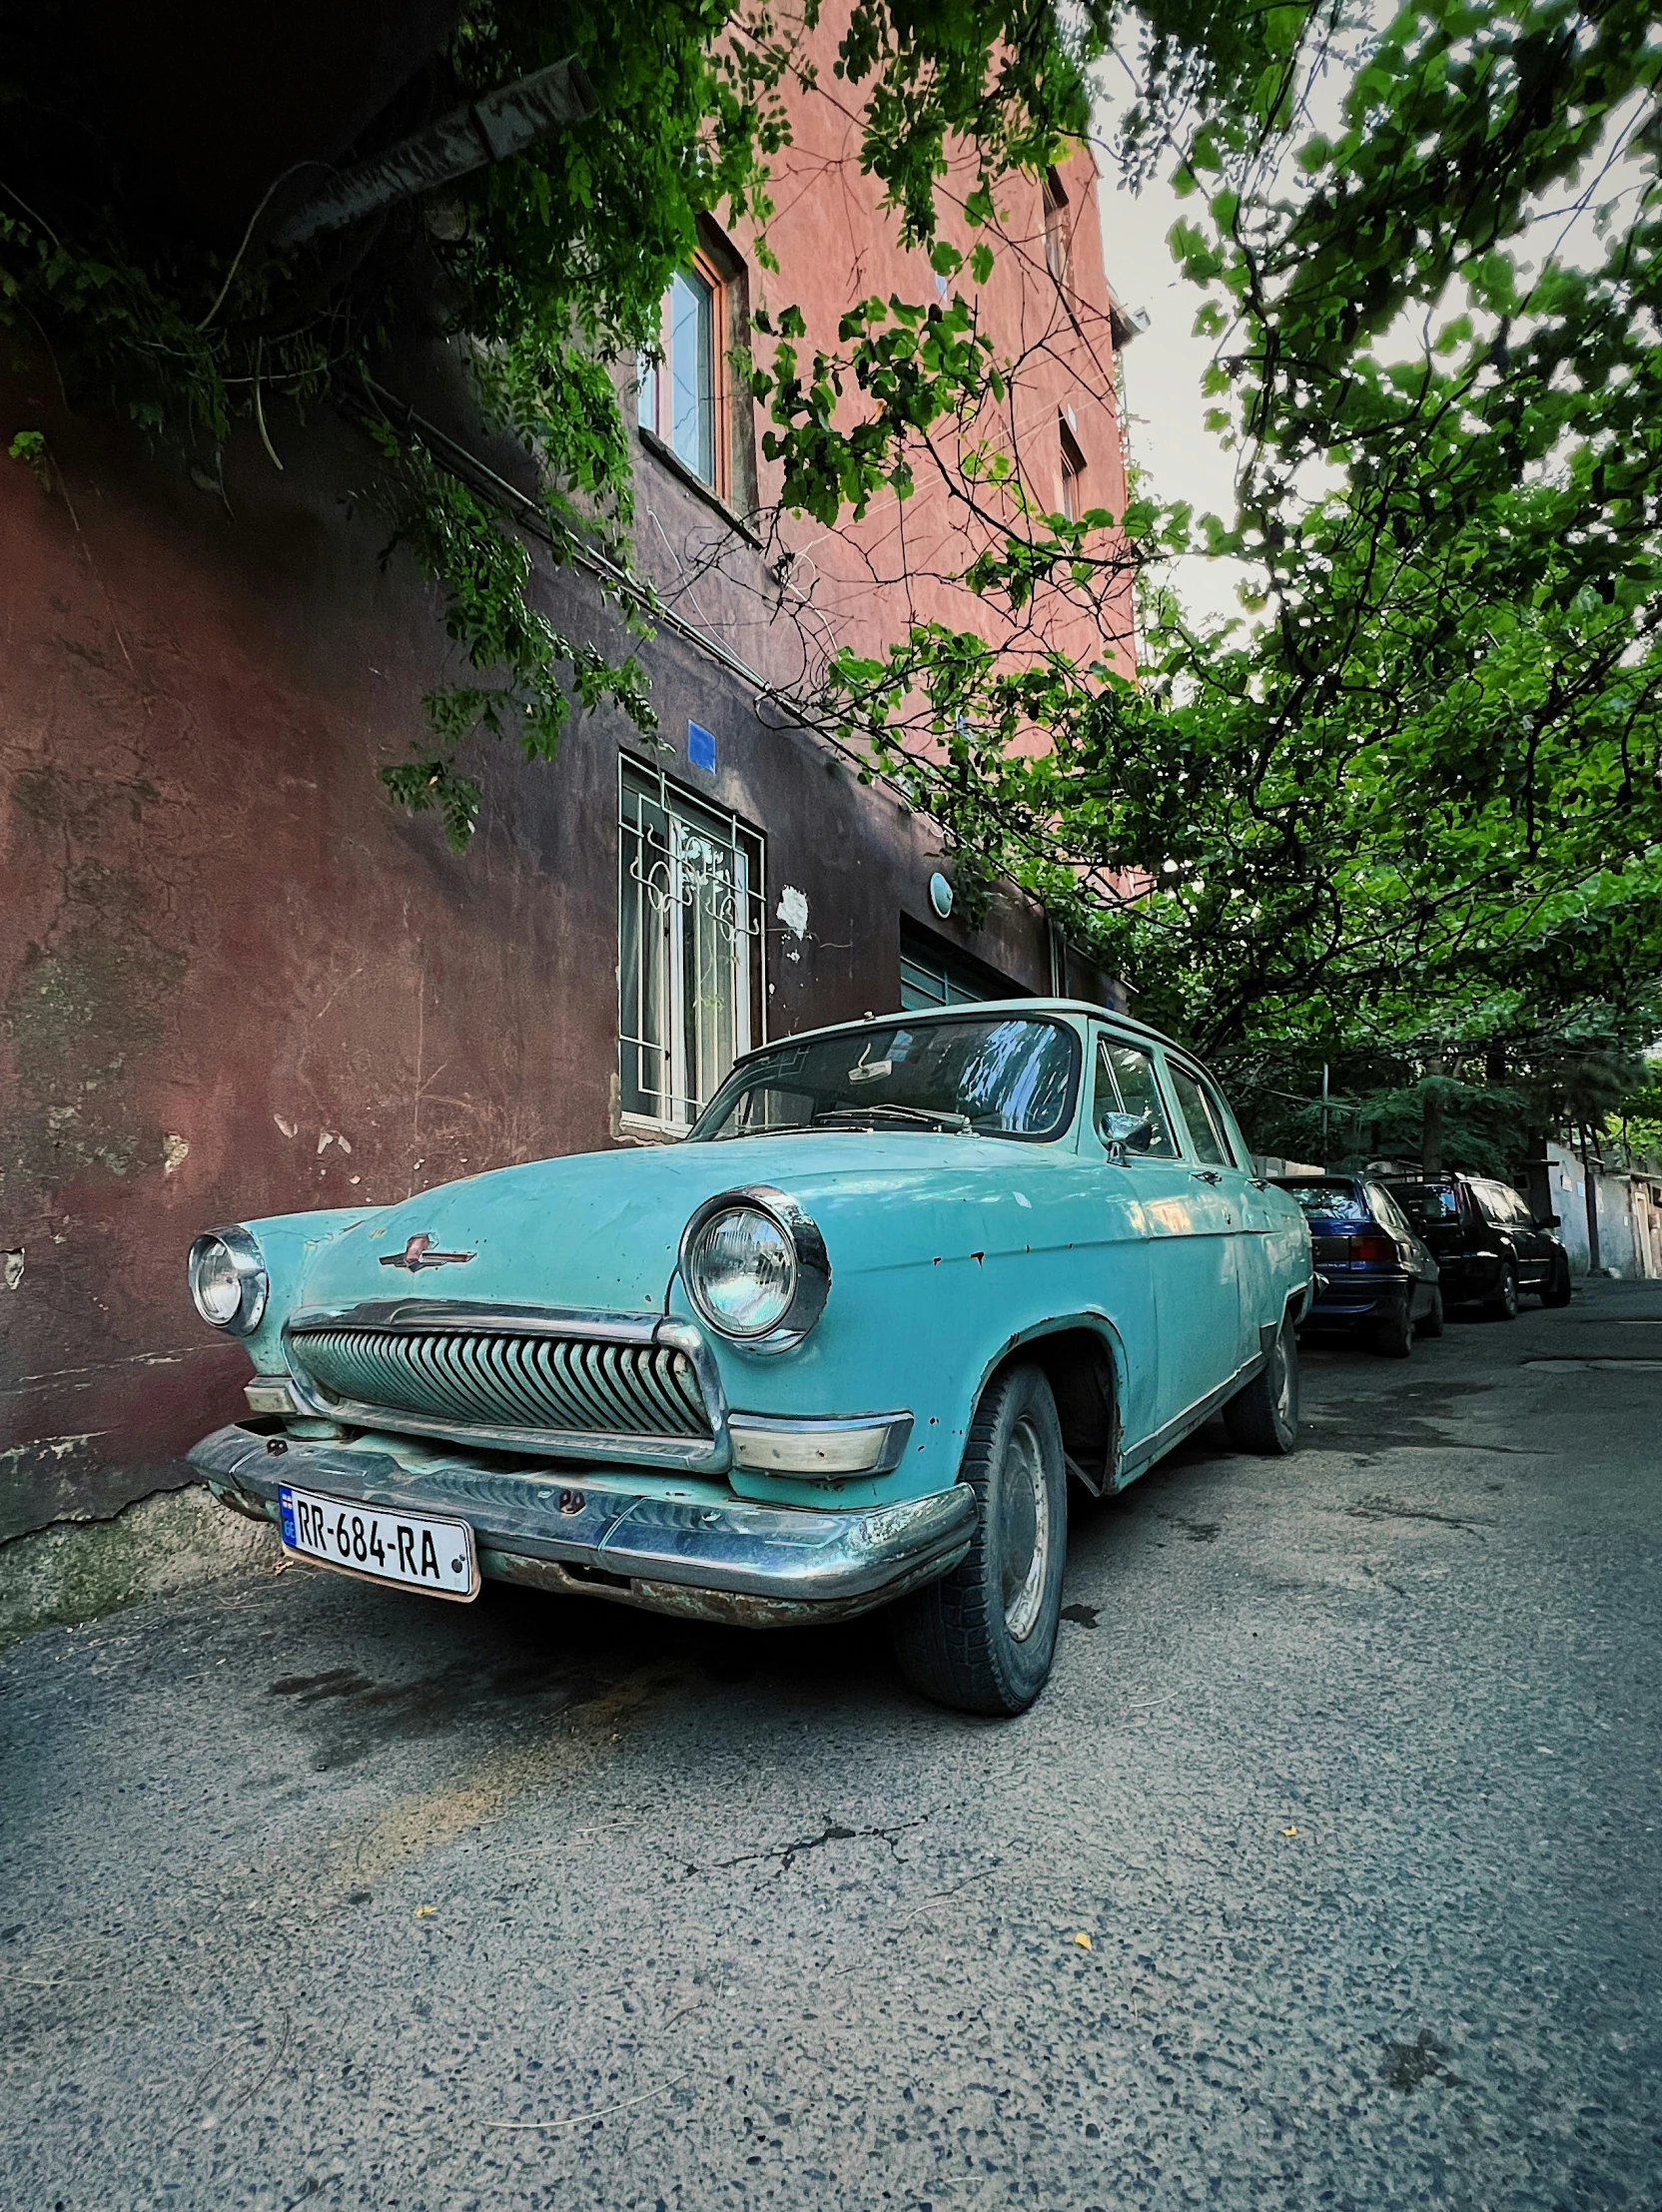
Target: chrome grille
[(503, 1380)]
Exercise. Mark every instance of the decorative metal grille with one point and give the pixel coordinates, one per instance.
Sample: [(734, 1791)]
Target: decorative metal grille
[(499, 1379), (691, 907)]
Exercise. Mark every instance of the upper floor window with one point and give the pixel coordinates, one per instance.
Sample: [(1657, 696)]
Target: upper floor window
[(1072, 470), (682, 395), (1058, 249)]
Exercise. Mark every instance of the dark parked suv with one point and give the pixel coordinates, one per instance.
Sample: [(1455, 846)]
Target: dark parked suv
[(1489, 1247), (1373, 1270)]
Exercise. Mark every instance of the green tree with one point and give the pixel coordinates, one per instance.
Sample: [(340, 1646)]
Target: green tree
[(1415, 797)]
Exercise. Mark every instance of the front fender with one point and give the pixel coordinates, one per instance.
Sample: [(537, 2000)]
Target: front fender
[(922, 1331)]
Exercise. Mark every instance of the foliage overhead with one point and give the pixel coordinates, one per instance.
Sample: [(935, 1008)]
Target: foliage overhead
[(1409, 808), (1416, 797), (550, 266)]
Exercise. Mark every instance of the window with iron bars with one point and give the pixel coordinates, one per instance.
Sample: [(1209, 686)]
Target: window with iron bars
[(690, 908)]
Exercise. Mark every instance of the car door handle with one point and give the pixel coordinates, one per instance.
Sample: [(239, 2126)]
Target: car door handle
[(1206, 1174)]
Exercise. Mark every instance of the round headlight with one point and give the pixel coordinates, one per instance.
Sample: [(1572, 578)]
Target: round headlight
[(755, 1267), (742, 1273), (228, 1283)]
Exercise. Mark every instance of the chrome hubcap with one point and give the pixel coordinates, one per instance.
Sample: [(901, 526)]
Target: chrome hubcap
[(1024, 1531)]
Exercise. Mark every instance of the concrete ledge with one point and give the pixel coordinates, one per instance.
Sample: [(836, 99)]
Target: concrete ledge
[(77, 1570)]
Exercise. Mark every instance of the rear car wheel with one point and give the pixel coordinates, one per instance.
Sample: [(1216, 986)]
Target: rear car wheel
[(1394, 1339), (982, 1639), (1264, 1416), (1558, 1289), (1430, 1322), (1503, 1304)]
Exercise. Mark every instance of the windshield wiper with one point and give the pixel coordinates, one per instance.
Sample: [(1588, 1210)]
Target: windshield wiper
[(924, 1117)]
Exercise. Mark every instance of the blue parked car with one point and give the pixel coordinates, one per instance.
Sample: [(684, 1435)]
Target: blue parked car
[(1376, 1272), (842, 1347)]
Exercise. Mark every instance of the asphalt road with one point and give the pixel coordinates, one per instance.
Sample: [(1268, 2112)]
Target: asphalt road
[(312, 1894)]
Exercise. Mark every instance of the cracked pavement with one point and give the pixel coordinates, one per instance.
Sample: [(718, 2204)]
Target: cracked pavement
[(315, 1895)]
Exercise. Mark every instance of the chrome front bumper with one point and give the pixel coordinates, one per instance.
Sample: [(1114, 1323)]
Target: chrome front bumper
[(734, 1561)]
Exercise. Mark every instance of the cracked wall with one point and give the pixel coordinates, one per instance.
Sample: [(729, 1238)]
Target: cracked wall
[(234, 981)]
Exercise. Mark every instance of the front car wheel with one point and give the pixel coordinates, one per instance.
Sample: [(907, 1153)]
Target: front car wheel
[(1558, 1292), (982, 1639)]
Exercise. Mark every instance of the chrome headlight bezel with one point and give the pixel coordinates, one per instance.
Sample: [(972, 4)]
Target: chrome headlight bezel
[(811, 1286), (247, 1264)]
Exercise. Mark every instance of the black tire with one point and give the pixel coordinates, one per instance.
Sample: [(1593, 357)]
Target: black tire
[(1394, 1339), (1503, 1302), (1557, 1291), (1264, 1416), (982, 1639), (1430, 1322)]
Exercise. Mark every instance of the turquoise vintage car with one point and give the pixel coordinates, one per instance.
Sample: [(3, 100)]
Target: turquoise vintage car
[(842, 1347)]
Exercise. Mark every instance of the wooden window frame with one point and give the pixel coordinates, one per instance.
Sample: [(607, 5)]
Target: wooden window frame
[(1059, 243), (661, 425), (1073, 472)]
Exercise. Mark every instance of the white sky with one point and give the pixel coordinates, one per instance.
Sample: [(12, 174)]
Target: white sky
[(1163, 368)]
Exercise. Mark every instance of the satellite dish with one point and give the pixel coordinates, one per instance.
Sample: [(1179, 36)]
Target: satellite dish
[(940, 895)]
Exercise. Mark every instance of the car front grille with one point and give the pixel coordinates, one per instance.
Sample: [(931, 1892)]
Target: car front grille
[(497, 1379)]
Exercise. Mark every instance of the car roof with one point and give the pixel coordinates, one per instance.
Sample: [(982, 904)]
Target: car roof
[(971, 1006), (1303, 1183)]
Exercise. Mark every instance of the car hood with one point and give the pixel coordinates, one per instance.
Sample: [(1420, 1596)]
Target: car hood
[(601, 1229)]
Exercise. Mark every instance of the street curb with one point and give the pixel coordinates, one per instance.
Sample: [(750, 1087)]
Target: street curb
[(79, 1570)]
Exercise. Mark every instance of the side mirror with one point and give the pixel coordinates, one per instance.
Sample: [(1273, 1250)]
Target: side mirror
[(1549, 1221), (1126, 1133)]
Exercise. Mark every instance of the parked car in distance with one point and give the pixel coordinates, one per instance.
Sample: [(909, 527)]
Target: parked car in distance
[(843, 1347), (1489, 1247), (1375, 1273)]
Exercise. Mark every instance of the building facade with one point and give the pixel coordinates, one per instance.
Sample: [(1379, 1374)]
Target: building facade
[(235, 982), (1626, 1206)]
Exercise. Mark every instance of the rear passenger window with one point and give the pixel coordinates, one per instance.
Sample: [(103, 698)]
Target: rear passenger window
[(1126, 1084), (1204, 1135), (1385, 1209), (1493, 1204)]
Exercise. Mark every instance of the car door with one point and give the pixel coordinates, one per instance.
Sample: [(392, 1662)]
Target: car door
[(1216, 1144), (1189, 1224), (1531, 1241), (1495, 1205)]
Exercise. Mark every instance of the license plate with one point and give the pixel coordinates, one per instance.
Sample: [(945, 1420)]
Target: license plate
[(402, 1548)]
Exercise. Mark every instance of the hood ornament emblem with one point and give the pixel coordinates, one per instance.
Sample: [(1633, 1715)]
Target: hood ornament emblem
[(418, 1254)]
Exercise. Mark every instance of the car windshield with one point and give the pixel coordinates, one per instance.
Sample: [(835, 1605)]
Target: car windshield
[(1429, 1205), (981, 1075), (1328, 1201)]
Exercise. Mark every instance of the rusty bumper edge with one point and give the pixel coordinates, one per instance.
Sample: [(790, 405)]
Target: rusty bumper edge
[(735, 1561)]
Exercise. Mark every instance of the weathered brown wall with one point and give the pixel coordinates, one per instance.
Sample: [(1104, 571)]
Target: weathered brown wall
[(235, 982)]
